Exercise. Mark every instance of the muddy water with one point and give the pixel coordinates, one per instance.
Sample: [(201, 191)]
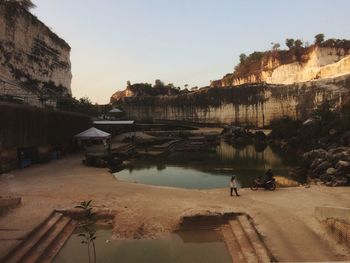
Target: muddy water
[(212, 168), (185, 246)]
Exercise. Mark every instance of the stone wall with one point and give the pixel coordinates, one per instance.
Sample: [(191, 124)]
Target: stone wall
[(34, 62), (248, 105)]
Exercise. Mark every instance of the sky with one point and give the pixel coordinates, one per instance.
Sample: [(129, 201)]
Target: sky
[(178, 41)]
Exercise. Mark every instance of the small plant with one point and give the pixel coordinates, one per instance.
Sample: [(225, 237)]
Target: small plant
[(87, 223)]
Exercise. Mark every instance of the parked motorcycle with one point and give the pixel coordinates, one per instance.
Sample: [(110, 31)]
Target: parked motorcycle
[(268, 185)]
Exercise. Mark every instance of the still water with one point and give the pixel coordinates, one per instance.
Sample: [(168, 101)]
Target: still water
[(184, 246), (210, 169)]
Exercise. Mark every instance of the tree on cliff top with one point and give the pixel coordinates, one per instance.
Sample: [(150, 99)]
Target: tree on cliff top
[(290, 42), (319, 39), (26, 4), (242, 58), (275, 46), (298, 43)]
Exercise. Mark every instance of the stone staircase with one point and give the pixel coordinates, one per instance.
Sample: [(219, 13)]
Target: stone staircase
[(44, 242), (243, 242)]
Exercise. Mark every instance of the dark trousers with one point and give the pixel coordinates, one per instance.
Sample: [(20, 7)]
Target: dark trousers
[(232, 191)]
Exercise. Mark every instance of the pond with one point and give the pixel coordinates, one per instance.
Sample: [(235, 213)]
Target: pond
[(212, 168), (183, 246)]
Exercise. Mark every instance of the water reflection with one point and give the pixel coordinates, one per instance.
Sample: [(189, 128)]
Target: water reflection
[(210, 169), (249, 155), (180, 247)]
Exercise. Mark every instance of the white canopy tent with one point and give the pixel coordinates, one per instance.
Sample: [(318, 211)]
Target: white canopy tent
[(92, 134), (115, 110)]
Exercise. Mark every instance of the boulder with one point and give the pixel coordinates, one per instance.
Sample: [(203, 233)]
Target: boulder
[(322, 167), (316, 163), (342, 164), (340, 181), (317, 153), (325, 178), (336, 150), (331, 171)]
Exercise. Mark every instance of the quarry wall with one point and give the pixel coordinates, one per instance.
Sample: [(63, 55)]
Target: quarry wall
[(247, 105), (285, 68), (34, 61)]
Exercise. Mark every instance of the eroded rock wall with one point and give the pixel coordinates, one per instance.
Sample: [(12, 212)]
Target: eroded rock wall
[(284, 67), (34, 62), (248, 105)]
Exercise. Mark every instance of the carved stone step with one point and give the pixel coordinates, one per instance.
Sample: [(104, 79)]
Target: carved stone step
[(58, 243), (34, 254), (33, 238), (258, 245), (243, 241), (232, 244)]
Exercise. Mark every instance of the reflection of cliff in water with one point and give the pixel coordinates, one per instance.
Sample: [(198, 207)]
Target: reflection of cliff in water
[(225, 159), (249, 156)]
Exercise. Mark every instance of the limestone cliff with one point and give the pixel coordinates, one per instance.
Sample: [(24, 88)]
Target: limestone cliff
[(328, 60), (34, 62), (268, 86), (253, 105)]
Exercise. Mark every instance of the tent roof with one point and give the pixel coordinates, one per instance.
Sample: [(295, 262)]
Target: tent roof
[(115, 110), (92, 133), (115, 122)]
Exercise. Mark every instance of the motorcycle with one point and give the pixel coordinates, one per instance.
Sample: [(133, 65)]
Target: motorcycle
[(268, 185)]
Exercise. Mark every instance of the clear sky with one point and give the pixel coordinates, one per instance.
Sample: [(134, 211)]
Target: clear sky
[(178, 41)]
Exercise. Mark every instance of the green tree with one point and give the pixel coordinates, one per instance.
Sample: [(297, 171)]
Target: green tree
[(158, 83), (298, 43), (290, 42), (276, 46), (26, 4), (171, 85), (242, 58), (319, 39)]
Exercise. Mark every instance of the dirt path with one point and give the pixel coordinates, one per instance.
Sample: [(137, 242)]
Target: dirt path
[(284, 218)]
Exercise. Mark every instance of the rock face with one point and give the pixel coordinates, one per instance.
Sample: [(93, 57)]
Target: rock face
[(248, 105), (292, 66), (34, 62), (331, 166)]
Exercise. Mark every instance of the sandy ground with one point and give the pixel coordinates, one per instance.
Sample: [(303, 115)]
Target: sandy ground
[(284, 217)]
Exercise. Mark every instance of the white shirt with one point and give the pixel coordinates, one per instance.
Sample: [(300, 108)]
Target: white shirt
[(233, 184)]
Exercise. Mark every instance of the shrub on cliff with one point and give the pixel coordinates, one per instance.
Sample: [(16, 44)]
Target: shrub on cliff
[(326, 118)]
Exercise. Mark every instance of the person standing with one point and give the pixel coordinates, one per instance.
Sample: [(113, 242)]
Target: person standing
[(233, 185)]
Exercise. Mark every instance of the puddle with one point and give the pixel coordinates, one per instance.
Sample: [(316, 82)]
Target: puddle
[(182, 246)]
